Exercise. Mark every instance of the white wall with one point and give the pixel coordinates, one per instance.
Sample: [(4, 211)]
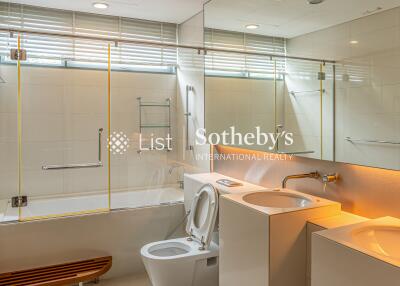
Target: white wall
[(368, 84), (62, 112)]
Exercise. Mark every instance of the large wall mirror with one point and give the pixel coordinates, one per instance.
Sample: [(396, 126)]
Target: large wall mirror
[(332, 82)]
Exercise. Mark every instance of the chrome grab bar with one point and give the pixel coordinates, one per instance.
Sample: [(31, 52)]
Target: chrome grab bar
[(372, 141), (79, 166), (189, 88), (306, 91), (295, 152)]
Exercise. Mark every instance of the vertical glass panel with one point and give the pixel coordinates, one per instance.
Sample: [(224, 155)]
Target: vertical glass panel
[(368, 110), (143, 145), (328, 113), (301, 111), (64, 132), (241, 101), (191, 97), (8, 129)]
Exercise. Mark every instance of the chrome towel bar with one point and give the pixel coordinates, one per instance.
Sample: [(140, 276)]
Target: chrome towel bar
[(306, 91), (296, 152), (372, 141), (79, 166)]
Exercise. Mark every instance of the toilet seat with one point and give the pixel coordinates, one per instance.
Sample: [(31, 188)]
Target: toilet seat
[(177, 249), (188, 261), (203, 214)]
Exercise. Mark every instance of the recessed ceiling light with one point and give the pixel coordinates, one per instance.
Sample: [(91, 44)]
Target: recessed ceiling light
[(372, 11), (354, 42), (100, 5), (252, 26), (313, 2)]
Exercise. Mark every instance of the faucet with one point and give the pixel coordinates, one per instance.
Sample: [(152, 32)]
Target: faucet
[(177, 166), (173, 167), (313, 175)]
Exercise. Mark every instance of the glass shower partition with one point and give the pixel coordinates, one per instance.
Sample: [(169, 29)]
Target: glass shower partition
[(8, 129), (64, 128), (143, 143), (305, 102)]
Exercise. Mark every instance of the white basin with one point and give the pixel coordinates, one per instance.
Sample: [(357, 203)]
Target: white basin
[(277, 200), (361, 254), (383, 240)]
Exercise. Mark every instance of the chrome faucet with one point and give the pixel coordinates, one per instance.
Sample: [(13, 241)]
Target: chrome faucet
[(312, 175), (173, 167)]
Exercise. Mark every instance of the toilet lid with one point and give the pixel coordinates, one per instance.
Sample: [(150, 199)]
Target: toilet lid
[(203, 214)]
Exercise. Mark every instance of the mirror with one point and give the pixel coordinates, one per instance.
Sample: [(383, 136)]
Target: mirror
[(333, 86)]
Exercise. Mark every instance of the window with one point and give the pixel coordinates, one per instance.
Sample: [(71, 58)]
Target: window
[(75, 52), (240, 65)]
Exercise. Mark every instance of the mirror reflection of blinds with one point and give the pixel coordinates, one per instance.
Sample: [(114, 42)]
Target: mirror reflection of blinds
[(48, 48), (230, 64)]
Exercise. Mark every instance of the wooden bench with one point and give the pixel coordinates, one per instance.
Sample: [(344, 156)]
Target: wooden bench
[(59, 275)]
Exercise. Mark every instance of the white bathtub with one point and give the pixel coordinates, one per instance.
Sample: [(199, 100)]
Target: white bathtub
[(77, 203)]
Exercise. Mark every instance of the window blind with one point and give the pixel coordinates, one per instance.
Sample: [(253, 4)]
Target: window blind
[(74, 50), (218, 63)]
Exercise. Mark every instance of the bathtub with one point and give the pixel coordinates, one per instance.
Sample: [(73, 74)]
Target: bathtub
[(49, 206), (137, 218)]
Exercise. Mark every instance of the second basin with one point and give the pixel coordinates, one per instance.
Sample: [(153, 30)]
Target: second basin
[(277, 200), (383, 240)]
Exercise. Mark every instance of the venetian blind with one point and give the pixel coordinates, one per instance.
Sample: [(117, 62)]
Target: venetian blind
[(240, 64), (17, 16)]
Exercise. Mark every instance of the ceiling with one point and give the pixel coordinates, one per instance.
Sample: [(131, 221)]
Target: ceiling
[(287, 18), (283, 18), (172, 11)]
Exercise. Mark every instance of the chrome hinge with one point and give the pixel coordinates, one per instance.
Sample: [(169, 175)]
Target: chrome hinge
[(19, 201), (16, 54)]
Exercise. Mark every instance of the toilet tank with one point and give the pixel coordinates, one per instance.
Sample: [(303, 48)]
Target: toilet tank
[(193, 182)]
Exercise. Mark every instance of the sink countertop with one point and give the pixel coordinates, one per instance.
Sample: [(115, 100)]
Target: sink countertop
[(347, 236), (315, 201), (343, 219)]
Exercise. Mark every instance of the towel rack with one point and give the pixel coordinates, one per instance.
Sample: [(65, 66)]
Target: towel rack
[(167, 125), (79, 166), (372, 141), (306, 91)]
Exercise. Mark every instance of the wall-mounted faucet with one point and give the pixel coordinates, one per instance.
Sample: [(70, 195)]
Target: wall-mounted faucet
[(327, 178), (330, 178), (312, 175)]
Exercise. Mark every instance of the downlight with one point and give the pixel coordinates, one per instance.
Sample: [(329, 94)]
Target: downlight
[(252, 26), (100, 5), (314, 2)]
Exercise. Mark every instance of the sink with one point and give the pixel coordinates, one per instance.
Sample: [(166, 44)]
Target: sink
[(383, 240), (361, 254), (277, 200), (267, 229)]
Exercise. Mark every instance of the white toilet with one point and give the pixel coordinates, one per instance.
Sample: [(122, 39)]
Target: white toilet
[(193, 260)]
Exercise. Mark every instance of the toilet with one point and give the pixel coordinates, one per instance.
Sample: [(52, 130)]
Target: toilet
[(192, 260)]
